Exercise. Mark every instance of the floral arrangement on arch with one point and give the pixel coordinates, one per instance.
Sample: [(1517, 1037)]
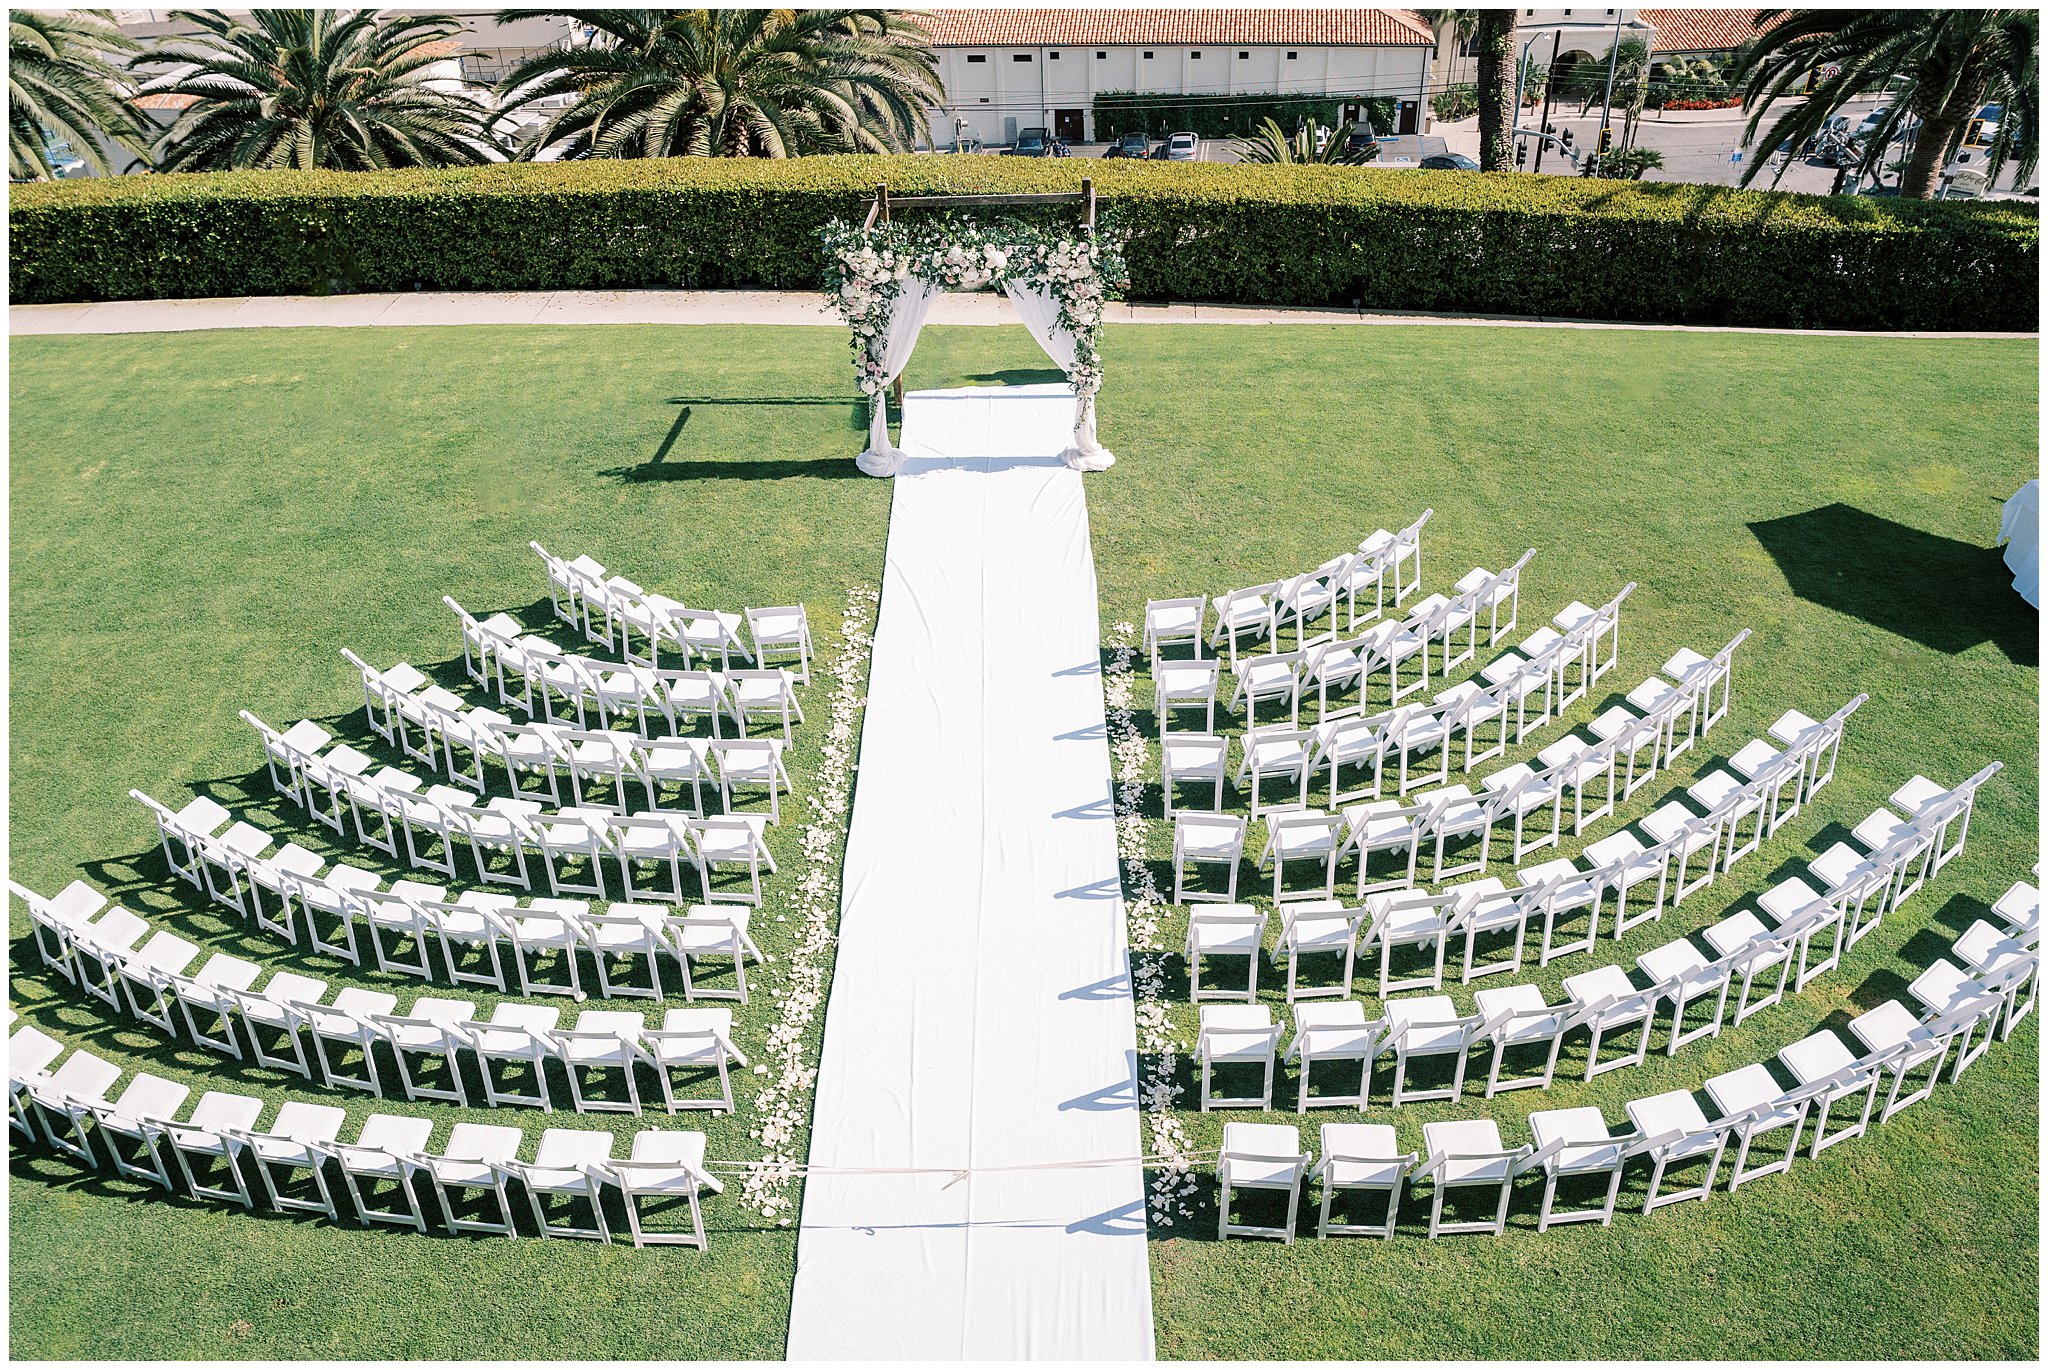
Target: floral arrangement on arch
[(865, 269)]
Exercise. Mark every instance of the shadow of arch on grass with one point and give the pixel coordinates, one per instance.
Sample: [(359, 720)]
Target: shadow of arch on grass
[(1937, 591), (838, 466)]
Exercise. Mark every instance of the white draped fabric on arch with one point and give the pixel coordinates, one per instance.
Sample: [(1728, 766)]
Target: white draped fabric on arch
[(883, 278)]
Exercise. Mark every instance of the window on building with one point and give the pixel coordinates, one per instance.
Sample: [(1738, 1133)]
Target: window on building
[(1292, 55), (1148, 56), (1468, 46), (976, 57), (984, 99), (1052, 57), (1244, 56), (1194, 57), (1099, 55), (1020, 57)]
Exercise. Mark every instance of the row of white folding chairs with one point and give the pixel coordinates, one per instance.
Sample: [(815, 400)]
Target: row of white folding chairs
[(1606, 1004), (1764, 788), (293, 894), (1667, 1131), (285, 1025), (1332, 665), (1390, 744), (596, 769), (1628, 749), (1403, 829), (647, 854), (580, 591), (570, 691), (216, 1145), (1257, 613), (1892, 857)]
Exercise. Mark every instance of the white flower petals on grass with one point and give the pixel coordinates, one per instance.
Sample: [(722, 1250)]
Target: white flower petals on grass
[(784, 1107), (1158, 1093)]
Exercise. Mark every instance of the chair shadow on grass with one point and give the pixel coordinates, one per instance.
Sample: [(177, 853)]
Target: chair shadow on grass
[(1019, 375), (660, 466), (1939, 592)]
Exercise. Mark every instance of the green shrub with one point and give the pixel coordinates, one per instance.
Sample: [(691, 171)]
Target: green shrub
[(1392, 239)]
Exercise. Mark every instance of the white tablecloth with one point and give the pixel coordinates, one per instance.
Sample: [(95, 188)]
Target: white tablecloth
[(2020, 530)]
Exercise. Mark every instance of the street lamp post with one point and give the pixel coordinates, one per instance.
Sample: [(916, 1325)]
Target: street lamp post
[(1536, 31)]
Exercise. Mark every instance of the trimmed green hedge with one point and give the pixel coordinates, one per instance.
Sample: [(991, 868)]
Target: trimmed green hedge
[(1503, 243), (1118, 112)]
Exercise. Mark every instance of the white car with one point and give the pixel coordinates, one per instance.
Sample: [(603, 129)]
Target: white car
[(1183, 147)]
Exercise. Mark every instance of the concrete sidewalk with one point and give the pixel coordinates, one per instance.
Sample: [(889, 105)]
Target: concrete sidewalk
[(799, 308)]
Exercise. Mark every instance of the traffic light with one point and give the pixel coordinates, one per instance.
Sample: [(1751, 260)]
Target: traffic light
[(1975, 137), (1566, 136), (1606, 139)]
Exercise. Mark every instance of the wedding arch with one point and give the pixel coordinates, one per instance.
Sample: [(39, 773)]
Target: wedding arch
[(882, 276)]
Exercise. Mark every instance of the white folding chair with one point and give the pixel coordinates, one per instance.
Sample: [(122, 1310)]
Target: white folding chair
[(783, 629), (1174, 622), (1515, 1018), (570, 1164), (1683, 978), (1237, 1035), (1227, 930), (1467, 1155), (202, 1149), (1828, 1072), (474, 1161), (1752, 1105), (697, 1040), (1607, 1001), (1334, 1032), (1676, 1133), (518, 1036), (603, 1040), (1319, 929), (380, 1156), (300, 1138), (1425, 1028), (1308, 835), (1574, 1144), (1193, 758), (1362, 1157), (1259, 1156), (667, 1169), (1214, 839)]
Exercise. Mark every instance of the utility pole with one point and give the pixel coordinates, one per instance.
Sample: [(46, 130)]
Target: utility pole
[(1607, 105), (1549, 88)]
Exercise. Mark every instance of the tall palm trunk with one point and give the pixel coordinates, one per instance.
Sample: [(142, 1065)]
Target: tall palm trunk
[(1496, 43), (1930, 145)]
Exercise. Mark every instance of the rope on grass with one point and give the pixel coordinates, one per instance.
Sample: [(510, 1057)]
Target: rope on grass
[(959, 1173)]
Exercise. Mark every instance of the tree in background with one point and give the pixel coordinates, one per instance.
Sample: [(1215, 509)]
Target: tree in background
[(348, 90), (730, 83), (1495, 36), (1947, 63), (1313, 144), (62, 83)]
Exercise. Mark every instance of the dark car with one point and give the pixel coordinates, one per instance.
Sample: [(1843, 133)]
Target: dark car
[(1033, 142), (1449, 161), (1130, 145), (1157, 154), (1359, 145)]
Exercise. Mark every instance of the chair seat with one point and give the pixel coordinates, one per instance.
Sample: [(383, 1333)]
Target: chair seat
[(1754, 756), (1334, 1031), (1191, 756), (1261, 1140)]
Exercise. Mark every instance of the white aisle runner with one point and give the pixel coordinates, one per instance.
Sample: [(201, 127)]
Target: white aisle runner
[(980, 1013)]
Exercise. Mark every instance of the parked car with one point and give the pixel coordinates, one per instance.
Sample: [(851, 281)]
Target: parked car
[(1130, 145), (966, 145), (1032, 142), (1360, 145), (1984, 127), (1449, 161), (1183, 147)]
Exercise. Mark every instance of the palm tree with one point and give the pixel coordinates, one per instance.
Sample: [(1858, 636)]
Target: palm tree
[(1496, 40), (345, 89), (61, 84), (731, 83), (1311, 145), (1949, 61)]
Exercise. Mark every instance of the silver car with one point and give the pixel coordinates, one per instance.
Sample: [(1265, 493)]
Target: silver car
[(1183, 147)]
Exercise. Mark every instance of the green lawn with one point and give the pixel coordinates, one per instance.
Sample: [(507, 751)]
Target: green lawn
[(200, 521)]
